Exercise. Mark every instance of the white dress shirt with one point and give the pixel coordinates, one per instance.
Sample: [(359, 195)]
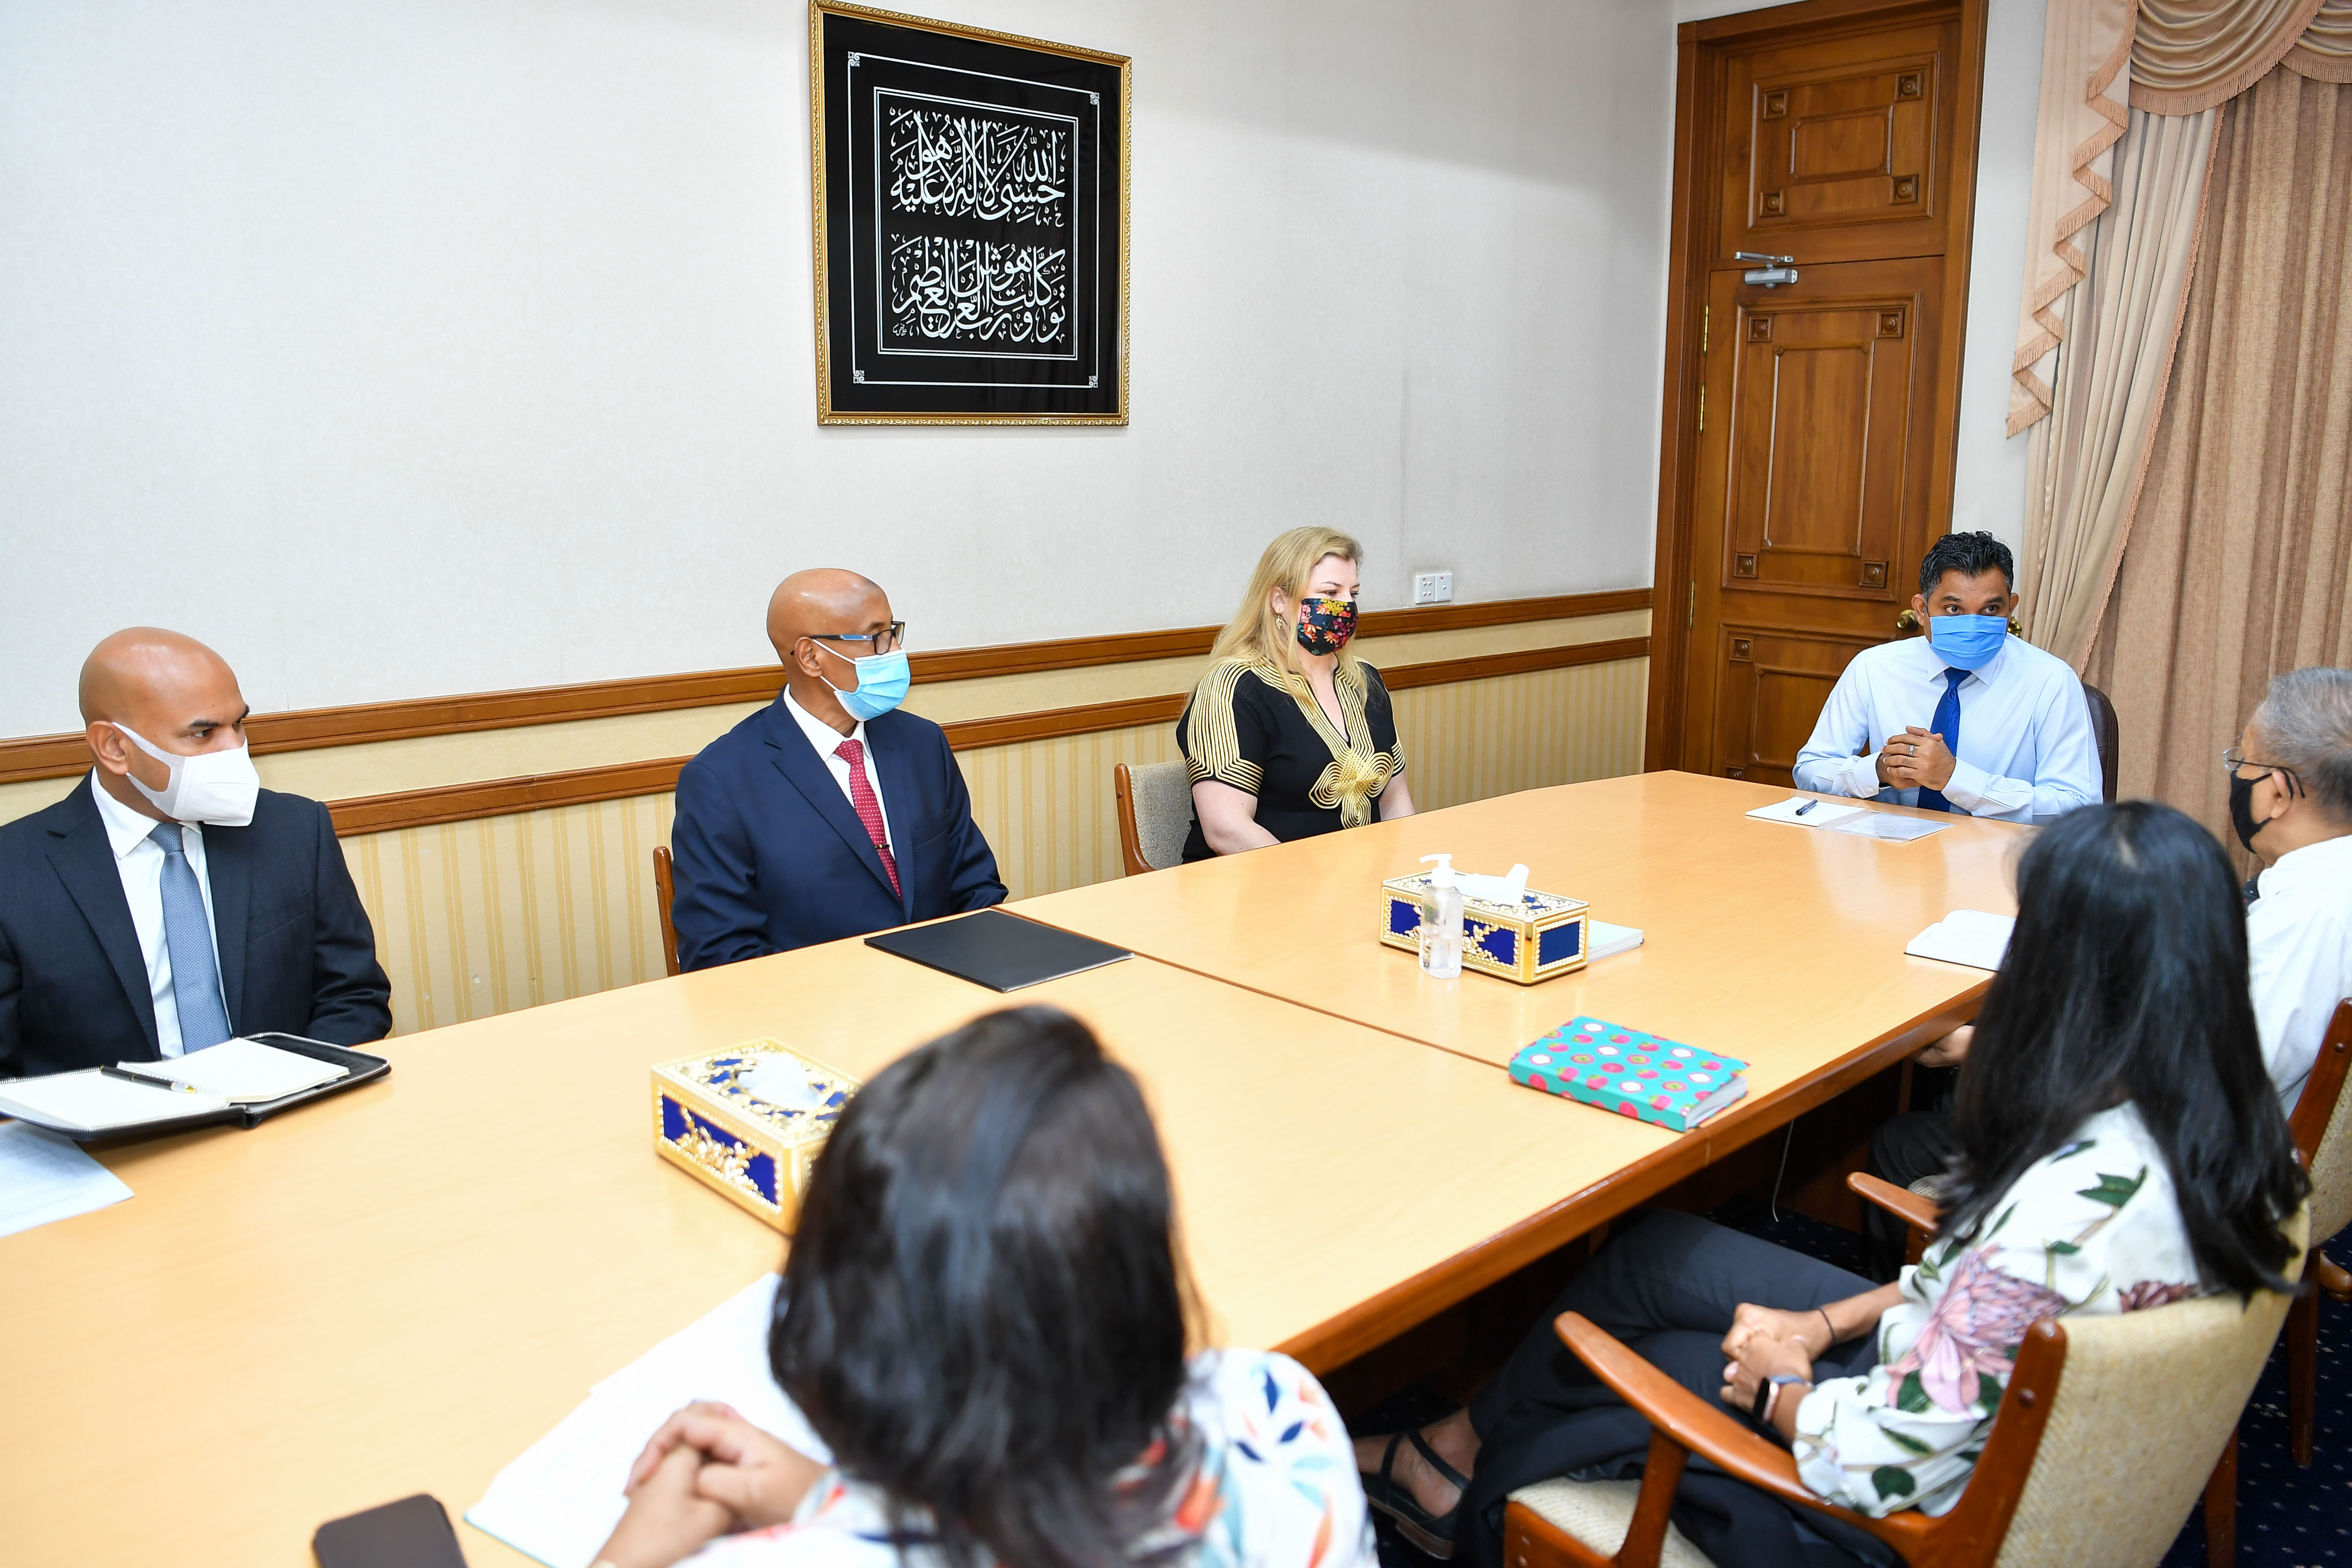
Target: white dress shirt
[(139, 861), (824, 738), (2299, 948), (2026, 753)]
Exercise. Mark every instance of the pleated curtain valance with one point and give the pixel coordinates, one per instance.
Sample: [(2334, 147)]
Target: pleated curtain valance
[(2190, 55), (2183, 58)]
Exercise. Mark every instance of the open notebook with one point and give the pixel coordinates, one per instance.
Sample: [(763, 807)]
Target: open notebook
[(239, 1079), (560, 1498)]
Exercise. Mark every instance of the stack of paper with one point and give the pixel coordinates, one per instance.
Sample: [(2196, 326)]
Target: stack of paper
[(560, 1500), (1887, 825), (44, 1178), (241, 1071), (1966, 936), (95, 1100), (1608, 941)]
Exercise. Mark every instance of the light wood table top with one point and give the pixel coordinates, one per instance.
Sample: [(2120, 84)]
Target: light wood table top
[(401, 1289), (1778, 943)]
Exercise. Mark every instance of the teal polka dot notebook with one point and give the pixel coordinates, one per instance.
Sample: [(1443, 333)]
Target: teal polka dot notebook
[(1631, 1073)]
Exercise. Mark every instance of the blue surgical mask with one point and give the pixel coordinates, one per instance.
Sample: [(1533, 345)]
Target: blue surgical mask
[(882, 683), (1966, 642)]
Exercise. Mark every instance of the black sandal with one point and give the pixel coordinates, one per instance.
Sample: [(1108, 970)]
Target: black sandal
[(1433, 1533)]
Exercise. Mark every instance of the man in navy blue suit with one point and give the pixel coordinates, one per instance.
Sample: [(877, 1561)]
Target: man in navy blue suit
[(829, 813), (170, 901)]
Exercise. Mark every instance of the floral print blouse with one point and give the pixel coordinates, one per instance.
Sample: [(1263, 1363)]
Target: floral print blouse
[(2094, 1226), (1275, 1487)]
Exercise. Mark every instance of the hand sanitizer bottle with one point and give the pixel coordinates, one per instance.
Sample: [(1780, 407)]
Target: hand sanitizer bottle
[(1441, 921)]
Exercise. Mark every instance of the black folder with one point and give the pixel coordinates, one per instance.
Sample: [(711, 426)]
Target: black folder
[(1001, 952)]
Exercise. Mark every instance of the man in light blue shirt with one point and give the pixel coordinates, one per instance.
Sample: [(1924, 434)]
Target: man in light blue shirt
[(1966, 718)]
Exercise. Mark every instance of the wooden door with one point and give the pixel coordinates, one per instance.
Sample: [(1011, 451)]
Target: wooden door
[(1807, 459)]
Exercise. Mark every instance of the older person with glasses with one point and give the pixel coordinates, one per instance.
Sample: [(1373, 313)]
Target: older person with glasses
[(2291, 805), (829, 813)]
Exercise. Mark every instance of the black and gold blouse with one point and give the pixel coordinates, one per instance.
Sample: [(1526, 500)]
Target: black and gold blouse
[(1260, 730)]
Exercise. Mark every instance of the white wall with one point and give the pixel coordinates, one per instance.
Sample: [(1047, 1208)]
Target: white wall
[(1988, 489), (403, 347)]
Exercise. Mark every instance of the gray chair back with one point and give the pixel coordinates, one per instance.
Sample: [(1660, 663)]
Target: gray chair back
[(1161, 798)]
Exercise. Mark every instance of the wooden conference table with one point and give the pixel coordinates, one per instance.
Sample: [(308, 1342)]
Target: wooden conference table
[(401, 1288)]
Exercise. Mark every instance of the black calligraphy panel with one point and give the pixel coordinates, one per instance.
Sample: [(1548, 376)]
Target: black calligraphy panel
[(973, 207)]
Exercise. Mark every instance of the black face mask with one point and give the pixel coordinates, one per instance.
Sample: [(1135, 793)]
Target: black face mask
[(2241, 810)]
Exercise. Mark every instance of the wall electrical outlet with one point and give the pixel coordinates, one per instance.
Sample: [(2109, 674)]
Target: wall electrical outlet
[(1432, 587)]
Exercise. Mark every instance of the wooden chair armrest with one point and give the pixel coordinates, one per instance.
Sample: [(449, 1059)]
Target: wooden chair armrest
[(1920, 1213), (2330, 1275), (1683, 1416)]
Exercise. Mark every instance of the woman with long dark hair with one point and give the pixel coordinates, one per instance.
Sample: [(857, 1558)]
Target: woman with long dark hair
[(984, 1315), (2120, 1147)]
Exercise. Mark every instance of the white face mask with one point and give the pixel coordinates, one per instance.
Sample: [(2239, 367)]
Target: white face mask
[(212, 788)]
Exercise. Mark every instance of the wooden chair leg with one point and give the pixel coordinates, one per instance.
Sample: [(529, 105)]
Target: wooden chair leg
[(2222, 1508), (2302, 1374)]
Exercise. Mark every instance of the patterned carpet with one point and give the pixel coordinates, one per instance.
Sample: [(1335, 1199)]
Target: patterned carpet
[(2288, 1517)]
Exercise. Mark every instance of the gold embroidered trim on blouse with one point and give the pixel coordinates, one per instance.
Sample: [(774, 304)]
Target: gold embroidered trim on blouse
[(1357, 773), (1213, 748)]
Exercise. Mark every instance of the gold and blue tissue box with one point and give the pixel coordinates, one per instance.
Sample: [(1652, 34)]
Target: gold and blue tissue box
[(1544, 936), (759, 1155)]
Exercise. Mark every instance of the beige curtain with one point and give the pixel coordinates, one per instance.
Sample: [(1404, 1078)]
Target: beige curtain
[(2086, 461), (2190, 55), (2242, 551), (2184, 57), (2085, 45), (2324, 51)]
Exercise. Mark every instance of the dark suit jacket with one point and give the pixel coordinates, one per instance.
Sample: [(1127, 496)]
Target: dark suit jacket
[(297, 954), (769, 857)]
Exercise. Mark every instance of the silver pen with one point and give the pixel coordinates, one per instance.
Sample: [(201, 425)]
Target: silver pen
[(1807, 806)]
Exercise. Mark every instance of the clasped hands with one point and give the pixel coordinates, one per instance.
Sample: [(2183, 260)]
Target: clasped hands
[(1764, 1342), (1915, 759), (706, 1473)]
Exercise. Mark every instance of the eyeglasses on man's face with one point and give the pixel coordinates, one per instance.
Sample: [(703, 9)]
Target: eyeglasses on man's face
[(2234, 758), (889, 641)]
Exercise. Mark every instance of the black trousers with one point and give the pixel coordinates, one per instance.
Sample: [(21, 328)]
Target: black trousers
[(1667, 1286), (1907, 1149)]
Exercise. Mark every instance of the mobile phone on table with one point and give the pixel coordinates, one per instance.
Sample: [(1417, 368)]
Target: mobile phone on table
[(413, 1532)]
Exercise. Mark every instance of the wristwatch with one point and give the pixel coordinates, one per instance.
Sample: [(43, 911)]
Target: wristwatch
[(1765, 1392)]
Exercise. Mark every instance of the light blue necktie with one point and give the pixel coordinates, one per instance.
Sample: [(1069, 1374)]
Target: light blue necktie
[(188, 937), (1947, 723)]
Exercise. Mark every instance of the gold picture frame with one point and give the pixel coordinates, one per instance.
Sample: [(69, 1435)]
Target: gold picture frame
[(997, 293)]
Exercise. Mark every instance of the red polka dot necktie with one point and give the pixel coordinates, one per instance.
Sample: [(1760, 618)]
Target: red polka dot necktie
[(869, 808)]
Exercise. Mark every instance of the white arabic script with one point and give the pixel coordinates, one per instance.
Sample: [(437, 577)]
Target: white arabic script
[(978, 292), (964, 165)]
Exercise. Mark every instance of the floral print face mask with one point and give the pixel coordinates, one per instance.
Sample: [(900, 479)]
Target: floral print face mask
[(1326, 625)]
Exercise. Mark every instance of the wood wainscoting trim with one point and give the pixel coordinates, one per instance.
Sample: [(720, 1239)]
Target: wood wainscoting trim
[(57, 756), (1446, 671), (540, 792)]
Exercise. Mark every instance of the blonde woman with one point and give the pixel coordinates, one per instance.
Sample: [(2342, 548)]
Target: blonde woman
[(1290, 734)]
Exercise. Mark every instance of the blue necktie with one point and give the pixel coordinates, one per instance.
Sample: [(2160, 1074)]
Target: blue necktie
[(188, 937), (1947, 723)]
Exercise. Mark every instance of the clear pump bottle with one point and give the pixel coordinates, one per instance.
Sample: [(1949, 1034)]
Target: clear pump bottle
[(1441, 921)]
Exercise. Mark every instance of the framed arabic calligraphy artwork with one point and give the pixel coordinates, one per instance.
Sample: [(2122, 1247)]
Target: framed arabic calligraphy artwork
[(970, 200)]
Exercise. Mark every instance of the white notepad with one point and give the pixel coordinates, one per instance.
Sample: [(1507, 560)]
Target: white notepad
[(93, 1100), (43, 1178), (559, 1501), (241, 1071), (1822, 813), (1966, 936), (1609, 941)]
